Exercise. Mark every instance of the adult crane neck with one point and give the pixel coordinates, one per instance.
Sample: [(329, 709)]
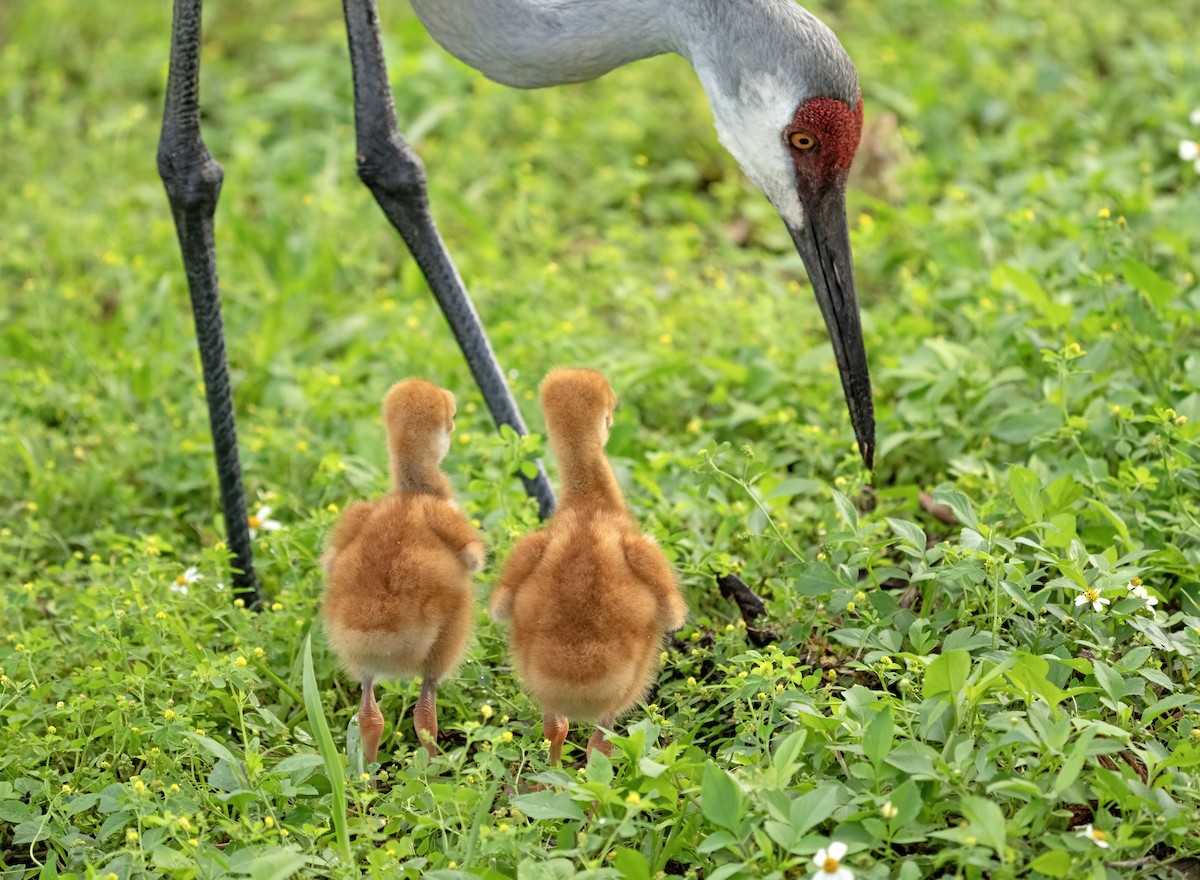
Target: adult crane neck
[(537, 43)]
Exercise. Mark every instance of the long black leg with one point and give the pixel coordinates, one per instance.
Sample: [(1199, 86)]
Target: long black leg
[(193, 181), (396, 177)]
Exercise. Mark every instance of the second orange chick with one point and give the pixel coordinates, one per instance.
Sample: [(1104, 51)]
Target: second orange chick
[(400, 597), (589, 596)]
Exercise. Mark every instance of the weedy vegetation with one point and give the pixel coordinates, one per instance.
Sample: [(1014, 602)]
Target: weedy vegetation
[(998, 680)]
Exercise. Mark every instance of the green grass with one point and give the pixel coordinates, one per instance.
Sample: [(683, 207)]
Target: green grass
[(1025, 246)]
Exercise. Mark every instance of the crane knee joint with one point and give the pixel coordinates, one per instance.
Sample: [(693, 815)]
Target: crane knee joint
[(391, 168), (192, 177)]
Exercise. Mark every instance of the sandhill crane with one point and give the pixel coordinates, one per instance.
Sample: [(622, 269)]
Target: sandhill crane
[(784, 96)]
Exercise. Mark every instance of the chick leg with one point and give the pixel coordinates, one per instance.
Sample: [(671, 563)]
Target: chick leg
[(555, 727), (425, 715), (598, 740), (370, 720)]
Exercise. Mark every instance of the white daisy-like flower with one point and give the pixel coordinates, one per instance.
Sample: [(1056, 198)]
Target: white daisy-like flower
[(829, 862), (259, 522), (1092, 595), (1095, 835), (190, 575), (1194, 117), (1188, 150), (1137, 591)]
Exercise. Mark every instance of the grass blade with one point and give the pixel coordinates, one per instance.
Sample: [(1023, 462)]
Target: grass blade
[(329, 753)]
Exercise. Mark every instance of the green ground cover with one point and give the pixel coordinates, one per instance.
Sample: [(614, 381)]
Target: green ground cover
[(935, 695)]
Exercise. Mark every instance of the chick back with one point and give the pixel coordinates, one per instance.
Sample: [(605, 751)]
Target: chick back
[(399, 600), (585, 632)]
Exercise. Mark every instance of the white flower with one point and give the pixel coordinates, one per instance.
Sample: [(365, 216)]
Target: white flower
[(888, 810), (829, 862), (1188, 150), (1137, 591), (1194, 117), (190, 575), (1092, 595), (1095, 835), (259, 521)]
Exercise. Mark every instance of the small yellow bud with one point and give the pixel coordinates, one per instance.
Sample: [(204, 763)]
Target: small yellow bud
[(506, 736), (633, 798), (241, 661)]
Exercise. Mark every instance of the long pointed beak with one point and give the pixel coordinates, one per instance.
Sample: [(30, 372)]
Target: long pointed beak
[(824, 245)]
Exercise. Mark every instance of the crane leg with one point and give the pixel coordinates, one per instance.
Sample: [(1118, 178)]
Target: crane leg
[(193, 182), (396, 177)]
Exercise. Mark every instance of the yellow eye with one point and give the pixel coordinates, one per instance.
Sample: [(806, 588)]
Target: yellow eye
[(802, 140)]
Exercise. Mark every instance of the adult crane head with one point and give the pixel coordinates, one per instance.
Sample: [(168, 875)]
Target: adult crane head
[(787, 105)]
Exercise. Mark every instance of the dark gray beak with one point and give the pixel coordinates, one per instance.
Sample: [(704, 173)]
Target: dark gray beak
[(824, 245)]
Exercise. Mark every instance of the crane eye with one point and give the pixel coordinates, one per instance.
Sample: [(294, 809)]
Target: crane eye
[(802, 140)]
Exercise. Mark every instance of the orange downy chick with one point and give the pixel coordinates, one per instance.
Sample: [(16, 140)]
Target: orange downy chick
[(589, 596), (399, 601)]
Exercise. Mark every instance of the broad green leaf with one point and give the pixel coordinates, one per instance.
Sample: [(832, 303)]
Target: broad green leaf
[(987, 821), (909, 532), (816, 579), (214, 748), (1026, 489), (1028, 289), (845, 509), (785, 759), (877, 738), (718, 840), (1069, 771), (947, 674), (959, 504), (292, 763), (1174, 701), (907, 801), (720, 798), (811, 809), (1065, 524), (1110, 680), (15, 812), (548, 805), (631, 863), (529, 869), (278, 864), (1030, 675), (1054, 863), (1149, 282)]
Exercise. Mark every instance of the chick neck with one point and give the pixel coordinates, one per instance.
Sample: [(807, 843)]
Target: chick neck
[(418, 475), (587, 477)]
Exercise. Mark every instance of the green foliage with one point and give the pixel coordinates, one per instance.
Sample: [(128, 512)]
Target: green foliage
[(987, 645)]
